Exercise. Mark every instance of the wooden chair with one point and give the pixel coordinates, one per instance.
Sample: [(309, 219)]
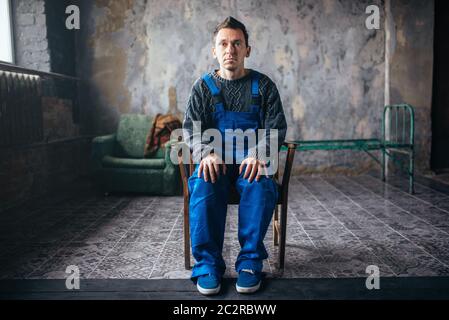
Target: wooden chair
[(279, 223)]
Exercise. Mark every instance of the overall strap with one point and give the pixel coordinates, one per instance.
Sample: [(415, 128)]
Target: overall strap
[(255, 76), (256, 100), (217, 98)]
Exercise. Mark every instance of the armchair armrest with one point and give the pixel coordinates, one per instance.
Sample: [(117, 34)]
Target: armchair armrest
[(101, 147), (168, 149)]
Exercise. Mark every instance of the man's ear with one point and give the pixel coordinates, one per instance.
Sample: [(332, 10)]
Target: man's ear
[(214, 52), (248, 52)]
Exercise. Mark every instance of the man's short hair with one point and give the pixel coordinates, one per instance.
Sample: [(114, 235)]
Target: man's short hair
[(232, 23)]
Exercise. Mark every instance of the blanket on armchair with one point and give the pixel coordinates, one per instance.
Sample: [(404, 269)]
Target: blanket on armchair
[(160, 132)]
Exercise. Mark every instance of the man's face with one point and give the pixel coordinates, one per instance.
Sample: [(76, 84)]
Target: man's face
[(230, 49)]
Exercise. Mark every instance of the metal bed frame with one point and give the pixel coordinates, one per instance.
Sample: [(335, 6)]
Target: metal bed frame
[(398, 131)]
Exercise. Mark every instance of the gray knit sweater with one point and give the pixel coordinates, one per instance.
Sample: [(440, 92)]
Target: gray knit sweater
[(237, 97)]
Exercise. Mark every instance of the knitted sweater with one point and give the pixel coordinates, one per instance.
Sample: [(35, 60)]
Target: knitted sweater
[(237, 97)]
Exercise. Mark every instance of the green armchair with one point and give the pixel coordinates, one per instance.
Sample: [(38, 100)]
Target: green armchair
[(118, 162)]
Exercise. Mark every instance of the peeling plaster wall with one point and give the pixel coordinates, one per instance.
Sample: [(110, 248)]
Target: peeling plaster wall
[(109, 55), (329, 68)]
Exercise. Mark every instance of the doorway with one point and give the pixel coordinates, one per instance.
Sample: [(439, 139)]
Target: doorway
[(440, 100)]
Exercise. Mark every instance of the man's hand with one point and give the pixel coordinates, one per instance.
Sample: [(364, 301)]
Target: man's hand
[(254, 168), (210, 167)]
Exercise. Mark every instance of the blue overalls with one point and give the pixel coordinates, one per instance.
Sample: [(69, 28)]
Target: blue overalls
[(208, 201)]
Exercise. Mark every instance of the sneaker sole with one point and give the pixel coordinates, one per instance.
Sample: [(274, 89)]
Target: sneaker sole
[(208, 292), (248, 289)]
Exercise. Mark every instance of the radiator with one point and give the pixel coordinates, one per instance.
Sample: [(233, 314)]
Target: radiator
[(20, 109)]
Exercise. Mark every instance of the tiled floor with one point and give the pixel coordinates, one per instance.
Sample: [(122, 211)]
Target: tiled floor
[(442, 177), (337, 226)]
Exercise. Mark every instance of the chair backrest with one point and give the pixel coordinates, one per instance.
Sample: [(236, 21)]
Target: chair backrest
[(131, 136)]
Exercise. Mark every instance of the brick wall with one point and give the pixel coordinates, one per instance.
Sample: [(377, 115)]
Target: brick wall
[(56, 163), (28, 172), (30, 34), (61, 159), (58, 119)]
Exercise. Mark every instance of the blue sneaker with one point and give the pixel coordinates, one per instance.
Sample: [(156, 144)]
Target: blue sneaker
[(248, 281), (208, 284)]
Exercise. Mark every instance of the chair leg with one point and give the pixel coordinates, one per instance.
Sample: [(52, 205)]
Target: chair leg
[(186, 237), (283, 231), (275, 226), (411, 172)]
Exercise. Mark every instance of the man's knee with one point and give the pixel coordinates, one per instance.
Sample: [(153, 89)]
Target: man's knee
[(198, 185), (264, 183), (265, 188)]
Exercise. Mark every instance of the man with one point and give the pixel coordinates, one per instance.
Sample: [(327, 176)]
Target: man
[(231, 97)]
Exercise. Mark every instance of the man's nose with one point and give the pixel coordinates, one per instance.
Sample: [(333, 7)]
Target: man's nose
[(230, 48)]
